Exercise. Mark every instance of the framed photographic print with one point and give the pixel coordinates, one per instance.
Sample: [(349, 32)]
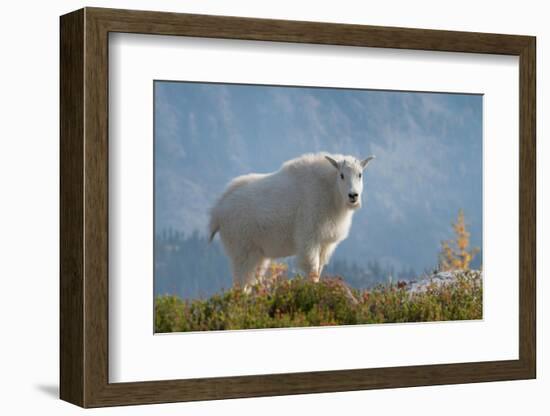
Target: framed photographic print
[(255, 207)]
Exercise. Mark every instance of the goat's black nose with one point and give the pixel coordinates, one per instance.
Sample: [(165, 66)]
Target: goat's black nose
[(353, 195)]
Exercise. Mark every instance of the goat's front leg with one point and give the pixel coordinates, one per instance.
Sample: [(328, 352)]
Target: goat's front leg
[(308, 260), (324, 255)]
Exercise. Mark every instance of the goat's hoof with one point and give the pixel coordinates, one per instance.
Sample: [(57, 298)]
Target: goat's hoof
[(314, 277)]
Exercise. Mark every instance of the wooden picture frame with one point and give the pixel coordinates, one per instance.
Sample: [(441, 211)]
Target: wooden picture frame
[(84, 207)]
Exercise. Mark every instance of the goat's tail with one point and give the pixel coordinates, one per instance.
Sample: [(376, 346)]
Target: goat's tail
[(214, 226)]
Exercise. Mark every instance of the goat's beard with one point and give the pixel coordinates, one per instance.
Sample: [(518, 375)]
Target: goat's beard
[(353, 205)]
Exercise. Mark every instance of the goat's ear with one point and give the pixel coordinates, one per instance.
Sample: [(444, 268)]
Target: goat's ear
[(332, 162), (366, 161)]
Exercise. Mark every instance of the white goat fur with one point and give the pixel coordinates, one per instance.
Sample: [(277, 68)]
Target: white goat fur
[(303, 209)]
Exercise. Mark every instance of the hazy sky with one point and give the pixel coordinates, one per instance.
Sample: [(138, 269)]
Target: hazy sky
[(428, 148)]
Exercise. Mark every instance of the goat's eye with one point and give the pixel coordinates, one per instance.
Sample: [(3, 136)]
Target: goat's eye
[(342, 176), (360, 175)]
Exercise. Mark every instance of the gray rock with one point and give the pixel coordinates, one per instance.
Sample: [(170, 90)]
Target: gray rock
[(441, 279)]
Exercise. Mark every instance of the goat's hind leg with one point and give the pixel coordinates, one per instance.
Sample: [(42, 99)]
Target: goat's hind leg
[(244, 269), (262, 269)]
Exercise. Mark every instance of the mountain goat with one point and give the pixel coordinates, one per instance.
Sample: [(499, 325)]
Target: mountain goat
[(303, 209)]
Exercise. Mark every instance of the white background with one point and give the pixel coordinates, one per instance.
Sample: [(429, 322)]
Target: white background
[(29, 209), (312, 349)]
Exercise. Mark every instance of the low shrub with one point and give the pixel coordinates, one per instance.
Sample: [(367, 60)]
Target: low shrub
[(300, 302)]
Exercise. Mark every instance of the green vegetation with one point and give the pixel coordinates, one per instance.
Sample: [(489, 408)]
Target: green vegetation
[(298, 302)]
